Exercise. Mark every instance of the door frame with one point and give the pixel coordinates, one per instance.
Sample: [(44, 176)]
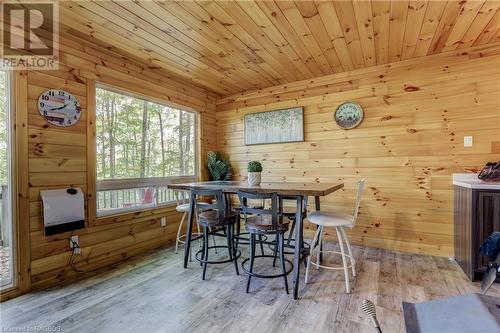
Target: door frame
[(18, 84)]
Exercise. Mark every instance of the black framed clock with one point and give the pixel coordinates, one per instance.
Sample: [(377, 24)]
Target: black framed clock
[(348, 115), (59, 107)]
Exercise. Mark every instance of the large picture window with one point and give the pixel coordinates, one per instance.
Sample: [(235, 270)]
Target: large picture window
[(142, 146)]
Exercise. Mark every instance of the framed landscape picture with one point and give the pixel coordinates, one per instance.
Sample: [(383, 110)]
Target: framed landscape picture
[(285, 125)]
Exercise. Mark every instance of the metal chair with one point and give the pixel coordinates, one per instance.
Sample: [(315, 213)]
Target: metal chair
[(215, 215), (264, 221), (340, 222)]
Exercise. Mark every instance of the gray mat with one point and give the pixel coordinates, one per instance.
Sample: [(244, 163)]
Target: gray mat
[(468, 313)]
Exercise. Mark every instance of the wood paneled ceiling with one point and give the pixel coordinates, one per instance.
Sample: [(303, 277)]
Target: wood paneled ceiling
[(229, 47)]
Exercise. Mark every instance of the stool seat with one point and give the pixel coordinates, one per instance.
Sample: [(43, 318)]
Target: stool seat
[(211, 218), (330, 219), (263, 224), (183, 208)]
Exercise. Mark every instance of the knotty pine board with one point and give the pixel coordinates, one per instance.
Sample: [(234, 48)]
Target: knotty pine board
[(57, 157), (407, 147)]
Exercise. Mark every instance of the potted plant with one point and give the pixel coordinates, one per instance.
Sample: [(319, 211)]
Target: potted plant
[(254, 173), (218, 166)]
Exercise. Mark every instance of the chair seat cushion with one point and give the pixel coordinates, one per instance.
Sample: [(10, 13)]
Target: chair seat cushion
[(211, 218), (263, 224), (182, 208), (185, 207), (329, 219)]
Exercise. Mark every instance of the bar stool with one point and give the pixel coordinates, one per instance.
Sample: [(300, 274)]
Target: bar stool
[(242, 238), (182, 206), (340, 222), (215, 215), (264, 222)]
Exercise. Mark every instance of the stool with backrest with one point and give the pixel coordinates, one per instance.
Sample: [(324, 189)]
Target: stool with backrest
[(182, 206), (340, 222), (215, 215), (263, 221), (242, 238)]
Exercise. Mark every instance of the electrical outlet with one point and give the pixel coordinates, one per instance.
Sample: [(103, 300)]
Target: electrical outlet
[(74, 240), (163, 221), (467, 141), (77, 250)]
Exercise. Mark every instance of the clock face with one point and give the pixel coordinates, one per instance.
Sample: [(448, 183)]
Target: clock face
[(59, 107), (349, 115)]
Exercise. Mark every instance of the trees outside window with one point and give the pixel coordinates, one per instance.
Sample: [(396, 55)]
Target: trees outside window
[(141, 146)]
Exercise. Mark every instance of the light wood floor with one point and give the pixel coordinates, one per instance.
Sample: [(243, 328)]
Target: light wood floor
[(153, 293)]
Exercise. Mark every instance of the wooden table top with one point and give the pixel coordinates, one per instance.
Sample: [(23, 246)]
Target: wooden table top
[(306, 189)]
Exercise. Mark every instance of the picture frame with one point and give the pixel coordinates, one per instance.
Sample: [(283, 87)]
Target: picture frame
[(276, 126)]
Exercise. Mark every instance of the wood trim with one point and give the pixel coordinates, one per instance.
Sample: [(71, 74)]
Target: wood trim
[(91, 153), (22, 260)]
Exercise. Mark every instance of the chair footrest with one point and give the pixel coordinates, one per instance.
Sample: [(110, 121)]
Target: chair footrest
[(197, 255), (353, 262), (246, 240), (182, 238), (262, 275)]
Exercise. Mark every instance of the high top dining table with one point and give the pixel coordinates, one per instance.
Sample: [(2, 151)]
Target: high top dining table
[(301, 191)]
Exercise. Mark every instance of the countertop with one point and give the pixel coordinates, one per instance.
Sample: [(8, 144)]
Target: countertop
[(470, 180)]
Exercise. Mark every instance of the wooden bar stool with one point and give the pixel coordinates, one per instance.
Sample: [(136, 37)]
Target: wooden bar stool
[(215, 215), (263, 222), (340, 222)]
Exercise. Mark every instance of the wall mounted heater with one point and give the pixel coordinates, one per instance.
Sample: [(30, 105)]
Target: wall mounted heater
[(63, 210)]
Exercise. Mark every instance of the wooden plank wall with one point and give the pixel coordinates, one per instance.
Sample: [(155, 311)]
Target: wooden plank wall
[(62, 157), (408, 146)]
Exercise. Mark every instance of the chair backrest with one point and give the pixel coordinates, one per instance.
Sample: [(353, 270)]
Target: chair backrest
[(149, 196), (217, 201), (292, 198), (272, 209), (181, 197), (361, 187)]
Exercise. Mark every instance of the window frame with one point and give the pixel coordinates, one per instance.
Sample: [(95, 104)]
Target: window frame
[(155, 182), (11, 183)]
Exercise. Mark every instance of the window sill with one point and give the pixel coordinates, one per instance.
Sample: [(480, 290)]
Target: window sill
[(134, 214)]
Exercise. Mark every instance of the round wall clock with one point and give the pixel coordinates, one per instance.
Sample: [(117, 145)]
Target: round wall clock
[(348, 115), (59, 107)]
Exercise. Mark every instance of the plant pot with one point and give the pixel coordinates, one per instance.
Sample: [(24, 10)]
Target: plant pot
[(254, 178)]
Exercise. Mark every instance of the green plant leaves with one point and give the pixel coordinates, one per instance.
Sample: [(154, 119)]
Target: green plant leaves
[(218, 166)]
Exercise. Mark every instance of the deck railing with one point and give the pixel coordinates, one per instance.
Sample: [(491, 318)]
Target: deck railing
[(116, 196)]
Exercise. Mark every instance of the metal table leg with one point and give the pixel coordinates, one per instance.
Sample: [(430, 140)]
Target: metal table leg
[(187, 245), (317, 207), (298, 246)]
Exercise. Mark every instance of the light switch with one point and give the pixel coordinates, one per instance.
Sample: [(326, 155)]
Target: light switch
[(467, 141)]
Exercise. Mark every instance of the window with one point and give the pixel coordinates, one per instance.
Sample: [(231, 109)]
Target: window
[(142, 146), (6, 217)]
